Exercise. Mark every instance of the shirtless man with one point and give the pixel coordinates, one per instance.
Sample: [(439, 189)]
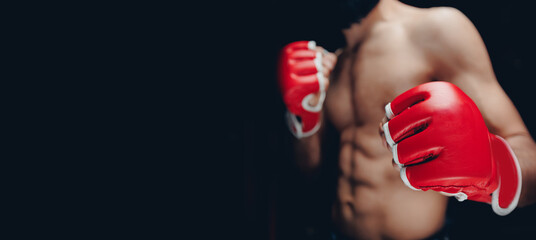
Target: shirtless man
[(391, 48)]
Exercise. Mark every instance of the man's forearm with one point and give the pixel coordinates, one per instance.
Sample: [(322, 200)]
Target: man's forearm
[(525, 151), (308, 153)]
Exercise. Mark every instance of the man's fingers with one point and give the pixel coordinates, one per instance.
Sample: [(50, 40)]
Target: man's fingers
[(314, 100), (328, 59), (331, 58), (328, 62), (382, 134), (326, 71), (327, 56)]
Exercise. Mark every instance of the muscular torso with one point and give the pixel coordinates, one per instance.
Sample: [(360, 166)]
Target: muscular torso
[(371, 200)]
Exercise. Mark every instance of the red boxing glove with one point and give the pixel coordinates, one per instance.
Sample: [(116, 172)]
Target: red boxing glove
[(300, 78), (440, 141)]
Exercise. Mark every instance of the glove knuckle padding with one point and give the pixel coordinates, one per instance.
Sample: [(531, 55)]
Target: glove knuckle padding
[(418, 149), (302, 55), (302, 68), (408, 123)]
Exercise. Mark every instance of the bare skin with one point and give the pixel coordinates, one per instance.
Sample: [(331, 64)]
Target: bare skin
[(395, 48)]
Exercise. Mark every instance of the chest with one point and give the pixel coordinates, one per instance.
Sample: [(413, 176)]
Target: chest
[(370, 77)]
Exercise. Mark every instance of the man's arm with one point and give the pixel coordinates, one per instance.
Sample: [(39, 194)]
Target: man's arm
[(307, 152), (460, 57)]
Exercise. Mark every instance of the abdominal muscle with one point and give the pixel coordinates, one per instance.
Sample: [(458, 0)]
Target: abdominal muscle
[(372, 202)]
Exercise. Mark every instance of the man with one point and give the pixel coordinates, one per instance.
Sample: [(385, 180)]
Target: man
[(392, 48)]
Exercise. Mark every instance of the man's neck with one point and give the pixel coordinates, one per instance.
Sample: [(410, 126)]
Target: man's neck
[(383, 11)]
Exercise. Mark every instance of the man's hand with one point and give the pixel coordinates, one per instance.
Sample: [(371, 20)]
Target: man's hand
[(440, 142), (304, 70)]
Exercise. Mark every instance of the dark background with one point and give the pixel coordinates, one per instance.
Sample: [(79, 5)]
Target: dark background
[(159, 120), (277, 203)]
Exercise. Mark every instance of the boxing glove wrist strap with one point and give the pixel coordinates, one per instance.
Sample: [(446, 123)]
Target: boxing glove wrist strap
[(295, 126), (295, 123), (506, 197)]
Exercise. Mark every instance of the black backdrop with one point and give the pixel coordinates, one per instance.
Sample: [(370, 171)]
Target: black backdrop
[(162, 87), (276, 202)]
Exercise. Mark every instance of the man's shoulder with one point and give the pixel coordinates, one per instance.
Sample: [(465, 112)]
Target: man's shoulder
[(443, 12), (439, 26), (439, 19)]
